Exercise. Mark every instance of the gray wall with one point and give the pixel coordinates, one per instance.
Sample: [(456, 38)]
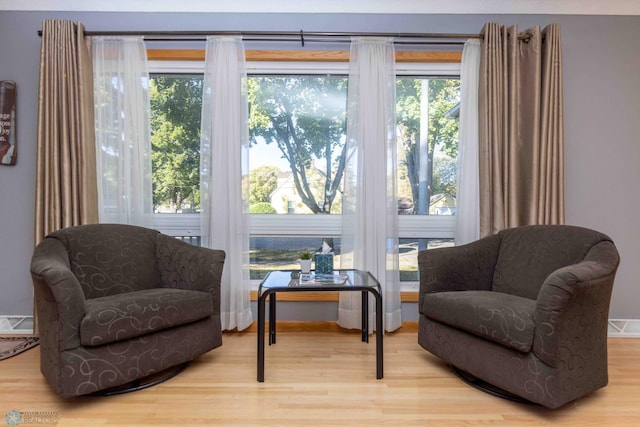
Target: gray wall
[(602, 111)]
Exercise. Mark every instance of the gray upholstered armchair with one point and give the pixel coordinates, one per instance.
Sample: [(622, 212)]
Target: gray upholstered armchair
[(117, 303), (525, 310)]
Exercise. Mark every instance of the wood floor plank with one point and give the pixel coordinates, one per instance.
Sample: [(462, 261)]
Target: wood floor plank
[(321, 379)]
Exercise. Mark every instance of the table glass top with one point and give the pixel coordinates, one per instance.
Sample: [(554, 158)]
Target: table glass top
[(340, 278)]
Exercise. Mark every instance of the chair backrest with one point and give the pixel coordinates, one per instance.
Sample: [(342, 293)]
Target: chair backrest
[(529, 254), (110, 259)]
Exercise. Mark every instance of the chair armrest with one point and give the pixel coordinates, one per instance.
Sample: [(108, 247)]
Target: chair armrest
[(59, 296), (572, 309), (185, 266), (459, 268)]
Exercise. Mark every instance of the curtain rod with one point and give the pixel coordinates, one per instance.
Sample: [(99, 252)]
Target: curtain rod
[(291, 36)]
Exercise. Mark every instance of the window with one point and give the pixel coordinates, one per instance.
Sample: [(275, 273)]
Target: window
[(427, 136), (427, 144), (297, 138), (176, 103)]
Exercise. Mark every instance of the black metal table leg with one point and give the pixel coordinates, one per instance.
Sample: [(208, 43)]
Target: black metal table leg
[(365, 316), (261, 314), (272, 318), (379, 336)]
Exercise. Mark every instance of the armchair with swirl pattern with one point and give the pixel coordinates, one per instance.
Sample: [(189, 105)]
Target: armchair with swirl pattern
[(525, 310), (118, 303)]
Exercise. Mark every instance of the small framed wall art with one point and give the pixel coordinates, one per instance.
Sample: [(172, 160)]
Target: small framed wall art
[(8, 96)]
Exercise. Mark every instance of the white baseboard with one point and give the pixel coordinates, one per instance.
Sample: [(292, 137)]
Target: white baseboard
[(624, 328), (17, 325)]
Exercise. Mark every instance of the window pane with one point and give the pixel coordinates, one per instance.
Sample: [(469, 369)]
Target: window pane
[(176, 104), (427, 120), (283, 253), (409, 249), (192, 240), (297, 136)]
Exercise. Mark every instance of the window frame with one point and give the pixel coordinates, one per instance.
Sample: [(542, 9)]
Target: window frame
[(269, 225)]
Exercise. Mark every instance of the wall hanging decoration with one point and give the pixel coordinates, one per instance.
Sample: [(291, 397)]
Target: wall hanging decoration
[(8, 152)]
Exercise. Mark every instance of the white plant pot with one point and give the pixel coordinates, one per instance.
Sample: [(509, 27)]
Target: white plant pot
[(305, 266)]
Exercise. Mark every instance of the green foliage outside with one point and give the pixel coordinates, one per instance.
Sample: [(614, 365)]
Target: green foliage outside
[(176, 103), (262, 182), (262, 208), (444, 176)]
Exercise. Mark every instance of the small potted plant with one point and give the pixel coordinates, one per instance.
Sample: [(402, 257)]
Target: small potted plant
[(305, 262)]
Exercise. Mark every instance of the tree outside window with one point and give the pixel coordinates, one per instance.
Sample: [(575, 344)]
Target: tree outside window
[(301, 120)]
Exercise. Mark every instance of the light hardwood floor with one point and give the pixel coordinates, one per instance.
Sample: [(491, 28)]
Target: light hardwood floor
[(321, 379)]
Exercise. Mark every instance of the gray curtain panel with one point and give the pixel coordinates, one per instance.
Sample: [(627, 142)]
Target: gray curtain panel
[(521, 136)]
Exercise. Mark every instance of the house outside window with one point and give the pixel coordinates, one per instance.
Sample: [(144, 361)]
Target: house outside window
[(297, 137)]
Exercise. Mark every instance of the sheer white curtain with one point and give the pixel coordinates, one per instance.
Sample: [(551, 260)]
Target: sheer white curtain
[(123, 137), (468, 201), (224, 164), (370, 206)]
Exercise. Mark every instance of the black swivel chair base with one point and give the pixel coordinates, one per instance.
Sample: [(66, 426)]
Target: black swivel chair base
[(146, 382), (486, 387)]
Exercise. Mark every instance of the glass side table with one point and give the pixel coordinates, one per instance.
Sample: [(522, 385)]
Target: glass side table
[(292, 281)]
